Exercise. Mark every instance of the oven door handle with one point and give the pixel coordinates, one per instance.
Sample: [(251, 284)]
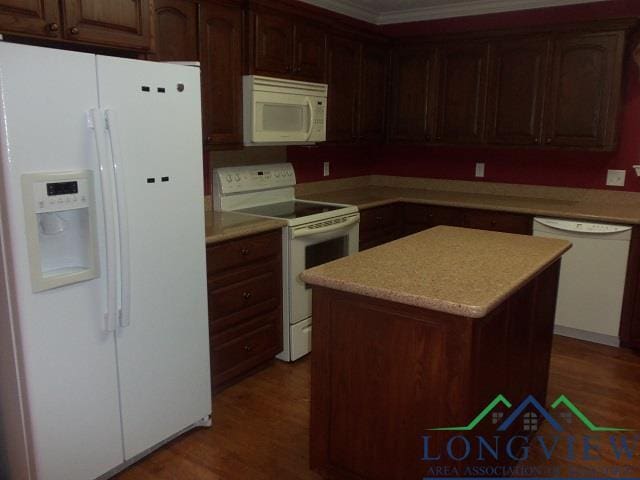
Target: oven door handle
[(306, 231)]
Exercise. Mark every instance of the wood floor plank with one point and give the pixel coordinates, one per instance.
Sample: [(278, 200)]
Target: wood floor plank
[(260, 429)]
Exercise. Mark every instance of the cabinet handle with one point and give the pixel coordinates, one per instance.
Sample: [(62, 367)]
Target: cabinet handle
[(244, 252), (493, 223), (74, 31), (210, 139), (53, 27), (536, 141), (549, 140), (427, 138), (246, 295), (248, 348), (379, 218)]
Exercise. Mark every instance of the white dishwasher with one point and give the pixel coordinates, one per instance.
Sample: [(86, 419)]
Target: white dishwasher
[(592, 277)]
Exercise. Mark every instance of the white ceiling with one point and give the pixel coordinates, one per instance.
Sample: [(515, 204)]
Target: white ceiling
[(382, 12)]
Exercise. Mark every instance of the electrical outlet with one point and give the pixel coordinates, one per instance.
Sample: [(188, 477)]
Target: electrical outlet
[(326, 169), (616, 178), (480, 170)]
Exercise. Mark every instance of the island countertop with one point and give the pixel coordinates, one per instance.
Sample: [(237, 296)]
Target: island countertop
[(448, 269)]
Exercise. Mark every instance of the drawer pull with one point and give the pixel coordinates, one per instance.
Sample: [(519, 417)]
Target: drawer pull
[(379, 218), (248, 348), (244, 252), (53, 27), (74, 30), (246, 295), (493, 223)]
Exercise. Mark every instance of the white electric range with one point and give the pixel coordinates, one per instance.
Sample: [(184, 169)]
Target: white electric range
[(316, 233)]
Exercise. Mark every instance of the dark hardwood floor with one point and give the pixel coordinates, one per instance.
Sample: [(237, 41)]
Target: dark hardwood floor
[(260, 429)]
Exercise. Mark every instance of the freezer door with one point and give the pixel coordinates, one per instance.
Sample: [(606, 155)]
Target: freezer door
[(66, 361), (163, 342)]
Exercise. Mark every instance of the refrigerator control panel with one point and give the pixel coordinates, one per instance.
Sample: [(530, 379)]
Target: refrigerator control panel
[(58, 196)]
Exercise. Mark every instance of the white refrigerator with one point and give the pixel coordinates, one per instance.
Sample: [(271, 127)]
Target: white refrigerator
[(104, 346)]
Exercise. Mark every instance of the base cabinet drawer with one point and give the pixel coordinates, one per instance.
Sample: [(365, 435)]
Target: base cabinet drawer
[(244, 278), (499, 221), (244, 353)]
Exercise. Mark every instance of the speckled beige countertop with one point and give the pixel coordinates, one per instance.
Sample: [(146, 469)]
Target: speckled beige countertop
[(221, 226), (372, 196), (449, 269)]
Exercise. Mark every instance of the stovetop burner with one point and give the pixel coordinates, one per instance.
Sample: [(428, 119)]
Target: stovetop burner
[(290, 210)]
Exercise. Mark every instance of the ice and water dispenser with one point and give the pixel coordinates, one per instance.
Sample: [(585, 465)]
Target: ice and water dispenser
[(60, 218)]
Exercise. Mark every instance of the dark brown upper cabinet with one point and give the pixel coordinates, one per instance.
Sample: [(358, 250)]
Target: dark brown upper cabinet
[(310, 50), (221, 68), (273, 46), (517, 79), (373, 93), (116, 23), (411, 105), (462, 92), (31, 17), (343, 69), (122, 24), (584, 95), (285, 46), (176, 30)]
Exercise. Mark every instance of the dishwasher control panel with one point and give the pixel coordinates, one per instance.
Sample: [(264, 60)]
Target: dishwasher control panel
[(582, 227)]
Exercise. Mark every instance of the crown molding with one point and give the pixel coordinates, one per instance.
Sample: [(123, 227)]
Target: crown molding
[(348, 8), (463, 8)]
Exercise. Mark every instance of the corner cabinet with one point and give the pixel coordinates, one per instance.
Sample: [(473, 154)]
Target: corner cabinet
[(585, 93), (343, 72), (374, 69), (412, 104), (462, 93), (123, 24)]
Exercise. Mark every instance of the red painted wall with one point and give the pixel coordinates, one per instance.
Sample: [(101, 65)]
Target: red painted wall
[(525, 166)]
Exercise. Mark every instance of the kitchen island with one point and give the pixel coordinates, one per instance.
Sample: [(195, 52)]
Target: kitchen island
[(424, 333)]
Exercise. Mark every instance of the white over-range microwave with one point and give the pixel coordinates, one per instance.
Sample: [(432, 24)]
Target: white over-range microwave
[(283, 112)]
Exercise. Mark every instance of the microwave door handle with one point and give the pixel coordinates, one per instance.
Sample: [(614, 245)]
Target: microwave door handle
[(311, 118), (306, 231)]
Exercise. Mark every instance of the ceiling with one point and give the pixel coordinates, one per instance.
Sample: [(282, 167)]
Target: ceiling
[(382, 12)]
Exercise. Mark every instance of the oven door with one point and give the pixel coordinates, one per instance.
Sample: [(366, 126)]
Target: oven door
[(313, 245)]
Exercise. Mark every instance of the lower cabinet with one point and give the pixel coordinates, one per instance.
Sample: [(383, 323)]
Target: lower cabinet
[(245, 305), (420, 217), (380, 225)]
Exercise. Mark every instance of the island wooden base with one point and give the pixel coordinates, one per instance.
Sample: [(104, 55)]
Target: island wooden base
[(384, 373)]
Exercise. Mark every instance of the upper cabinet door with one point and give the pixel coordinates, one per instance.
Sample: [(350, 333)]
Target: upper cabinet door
[(344, 81), (412, 96), (310, 52), (118, 23), (373, 90), (584, 96), (221, 68), (463, 91), (273, 47), (31, 17), (176, 32), (518, 74)]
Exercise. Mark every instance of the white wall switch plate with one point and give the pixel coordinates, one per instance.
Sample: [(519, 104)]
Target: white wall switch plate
[(480, 170), (326, 169), (616, 178)]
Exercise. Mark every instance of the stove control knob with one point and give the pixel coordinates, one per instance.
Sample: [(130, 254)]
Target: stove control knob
[(277, 174), (229, 178), (237, 177)]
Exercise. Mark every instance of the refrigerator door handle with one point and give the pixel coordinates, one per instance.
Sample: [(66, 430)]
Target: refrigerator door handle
[(106, 186), (123, 224)]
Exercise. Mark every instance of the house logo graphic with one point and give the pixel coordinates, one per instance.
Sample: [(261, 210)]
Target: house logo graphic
[(531, 411), (515, 433)]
